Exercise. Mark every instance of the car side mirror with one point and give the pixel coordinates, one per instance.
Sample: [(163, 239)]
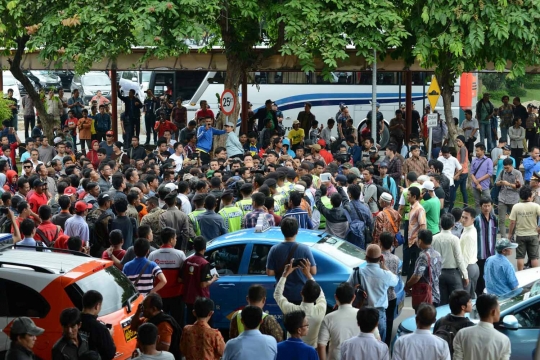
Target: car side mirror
[(510, 322)]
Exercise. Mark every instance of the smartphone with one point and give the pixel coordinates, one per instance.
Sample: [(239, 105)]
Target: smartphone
[(297, 262), (326, 177)]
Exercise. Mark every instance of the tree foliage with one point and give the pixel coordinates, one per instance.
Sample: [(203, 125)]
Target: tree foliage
[(5, 111), (456, 36)]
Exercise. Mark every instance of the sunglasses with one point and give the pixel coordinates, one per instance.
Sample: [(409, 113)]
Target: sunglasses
[(109, 135), (27, 167)]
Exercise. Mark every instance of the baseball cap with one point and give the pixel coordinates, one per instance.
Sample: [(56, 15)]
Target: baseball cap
[(383, 164), (299, 188), (81, 206), (109, 132), (347, 165), (296, 122), (70, 190), (24, 325), (57, 139), (38, 182), (317, 147), (230, 124), (321, 142), (373, 251), (341, 178), (428, 185), (187, 177), (171, 186), (505, 244), (102, 196), (507, 147)]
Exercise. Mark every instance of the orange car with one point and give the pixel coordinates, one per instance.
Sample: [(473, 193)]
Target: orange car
[(40, 285)]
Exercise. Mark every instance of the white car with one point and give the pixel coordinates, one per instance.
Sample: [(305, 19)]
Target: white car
[(134, 80), (10, 82)]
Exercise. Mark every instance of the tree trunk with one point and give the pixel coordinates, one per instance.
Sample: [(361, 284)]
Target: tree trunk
[(15, 68), (447, 82)]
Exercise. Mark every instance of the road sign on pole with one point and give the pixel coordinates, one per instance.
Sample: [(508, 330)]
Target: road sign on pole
[(227, 102), (434, 92), (432, 120)]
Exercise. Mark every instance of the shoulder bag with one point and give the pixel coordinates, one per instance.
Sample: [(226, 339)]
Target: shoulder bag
[(279, 271), (422, 292), (399, 237), (360, 291), (140, 274)]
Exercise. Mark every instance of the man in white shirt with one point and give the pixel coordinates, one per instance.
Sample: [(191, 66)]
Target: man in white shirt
[(469, 248), (183, 189), (365, 345), (376, 279), (178, 157), (313, 300), (483, 341), (422, 344), (453, 266), (452, 169), (339, 325)]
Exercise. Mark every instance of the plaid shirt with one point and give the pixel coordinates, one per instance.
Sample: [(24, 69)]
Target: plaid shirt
[(418, 165), (250, 220)]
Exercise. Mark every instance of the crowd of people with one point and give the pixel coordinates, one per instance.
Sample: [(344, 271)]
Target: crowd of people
[(139, 207)]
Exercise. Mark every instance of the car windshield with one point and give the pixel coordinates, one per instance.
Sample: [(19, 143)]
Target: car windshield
[(341, 250), (514, 297), (42, 72), (115, 287), (9, 80), (96, 81)]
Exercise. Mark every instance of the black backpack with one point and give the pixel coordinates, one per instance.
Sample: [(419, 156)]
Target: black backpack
[(99, 232), (448, 330), (5, 225), (174, 348), (360, 291)]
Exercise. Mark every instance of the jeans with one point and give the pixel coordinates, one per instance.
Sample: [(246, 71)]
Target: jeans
[(485, 133), (449, 280), (504, 133), (128, 134), (477, 195), (481, 283), (460, 183), (29, 123), (413, 253), (492, 142), (530, 136), (504, 209), (15, 121), (149, 122), (474, 273), (382, 323), (136, 128), (390, 310), (517, 154)]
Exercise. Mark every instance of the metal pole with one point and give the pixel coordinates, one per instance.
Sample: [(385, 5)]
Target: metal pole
[(114, 101), (244, 123), (430, 146), (408, 101), (374, 98)]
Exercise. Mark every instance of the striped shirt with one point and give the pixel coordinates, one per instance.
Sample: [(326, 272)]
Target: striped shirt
[(133, 268), (304, 222), (486, 235)]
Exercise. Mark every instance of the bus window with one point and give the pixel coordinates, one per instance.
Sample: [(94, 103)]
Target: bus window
[(161, 80), (187, 82)]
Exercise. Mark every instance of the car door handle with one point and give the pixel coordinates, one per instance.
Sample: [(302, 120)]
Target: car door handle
[(227, 285)]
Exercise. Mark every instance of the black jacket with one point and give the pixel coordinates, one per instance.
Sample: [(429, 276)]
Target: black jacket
[(65, 349), (138, 153), (174, 347), (98, 336), (17, 352)]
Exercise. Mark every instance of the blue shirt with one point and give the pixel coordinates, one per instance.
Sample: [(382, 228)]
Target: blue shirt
[(77, 226), (377, 281), (249, 345), (393, 188), (499, 275), (29, 242), (205, 137), (295, 349), (530, 166), (276, 261), (356, 153), (302, 216), (481, 167)]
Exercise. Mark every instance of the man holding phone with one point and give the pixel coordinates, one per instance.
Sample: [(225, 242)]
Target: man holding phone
[(281, 254), (205, 139)]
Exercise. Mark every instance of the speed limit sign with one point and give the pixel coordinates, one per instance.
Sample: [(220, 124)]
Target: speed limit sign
[(228, 102)]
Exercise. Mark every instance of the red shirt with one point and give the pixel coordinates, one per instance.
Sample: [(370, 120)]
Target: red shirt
[(119, 254), (195, 270), (50, 230), (36, 200), (204, 114), (161, 127), (72, 121), (327, 156), (61, 242)]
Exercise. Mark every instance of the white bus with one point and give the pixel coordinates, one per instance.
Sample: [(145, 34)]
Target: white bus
[(291, 90)]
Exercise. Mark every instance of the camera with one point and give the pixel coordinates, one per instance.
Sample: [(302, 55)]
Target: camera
[(297, 262), (4, 210), (257, 171)]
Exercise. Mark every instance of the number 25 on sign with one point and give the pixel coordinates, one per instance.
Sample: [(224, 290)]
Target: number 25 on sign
[(228, 102)]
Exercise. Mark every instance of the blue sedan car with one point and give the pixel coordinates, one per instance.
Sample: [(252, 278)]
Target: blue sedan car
[(240, 260), (520, 319)]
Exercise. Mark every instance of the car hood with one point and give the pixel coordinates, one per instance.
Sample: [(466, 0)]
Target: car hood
[(47, 78), (97, 87)]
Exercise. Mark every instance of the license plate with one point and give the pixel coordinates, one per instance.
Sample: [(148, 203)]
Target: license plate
[(126, 328)]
